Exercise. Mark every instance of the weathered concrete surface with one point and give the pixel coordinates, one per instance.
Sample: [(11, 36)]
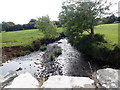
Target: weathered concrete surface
[(68, 82), (109, 78), (25, 80), (9, 76)]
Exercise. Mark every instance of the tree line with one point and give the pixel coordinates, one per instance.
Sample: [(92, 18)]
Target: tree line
[(110, 19), (11, 26)]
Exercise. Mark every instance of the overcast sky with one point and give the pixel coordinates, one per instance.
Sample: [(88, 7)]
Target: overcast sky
[(21, 11)]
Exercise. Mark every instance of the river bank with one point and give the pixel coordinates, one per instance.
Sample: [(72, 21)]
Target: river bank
[(70, 63), (8, 52)]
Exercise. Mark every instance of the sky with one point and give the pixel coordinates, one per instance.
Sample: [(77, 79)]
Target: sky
[(21, 11)]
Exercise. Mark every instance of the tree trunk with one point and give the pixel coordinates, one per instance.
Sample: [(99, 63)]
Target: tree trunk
[(92, 31)]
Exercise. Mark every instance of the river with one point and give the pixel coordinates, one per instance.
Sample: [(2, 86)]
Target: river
[(70, 63)]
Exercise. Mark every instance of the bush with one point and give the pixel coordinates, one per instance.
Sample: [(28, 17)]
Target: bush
[(99, 38), (29, 47), (36, 45), (43, 48), (51, 56), (22, 53), (57, 52), (16, 54), (54, 54), (98, 48)]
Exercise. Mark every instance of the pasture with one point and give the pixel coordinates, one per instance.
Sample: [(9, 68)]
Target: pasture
[(22, 38), (110, 31), (26, 37)]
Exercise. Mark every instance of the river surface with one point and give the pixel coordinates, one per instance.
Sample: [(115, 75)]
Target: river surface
[(70, 63)]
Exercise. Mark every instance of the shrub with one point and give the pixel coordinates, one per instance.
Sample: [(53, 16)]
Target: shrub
[(16, 54), (43, 48), (51, 56), (22, 53), (29, 47), (57, 52), (99, 38), (36, 45), (98, 48)]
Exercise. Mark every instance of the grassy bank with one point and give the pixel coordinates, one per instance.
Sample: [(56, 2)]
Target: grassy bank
[(103, 48), (26, 37), (22, 38), (110, 31)]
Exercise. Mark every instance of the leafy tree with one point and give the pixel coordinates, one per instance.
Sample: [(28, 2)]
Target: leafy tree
[(7, 25), (80, 16), (111, 19), (118, 19), (46, 26), (31, 24), (57, 23), (32, 21)]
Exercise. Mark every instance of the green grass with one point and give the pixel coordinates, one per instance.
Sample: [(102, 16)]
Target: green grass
[(26, 37), (110, 31), (22, 38)]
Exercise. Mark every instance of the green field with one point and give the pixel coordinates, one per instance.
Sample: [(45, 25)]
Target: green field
[(26, 37), (109, 30), (22, 38)]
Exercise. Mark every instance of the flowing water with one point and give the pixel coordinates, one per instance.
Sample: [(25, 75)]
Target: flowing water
[(70, 63)]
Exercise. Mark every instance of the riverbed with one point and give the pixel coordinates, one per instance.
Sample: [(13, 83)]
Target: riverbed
[(69, 63)]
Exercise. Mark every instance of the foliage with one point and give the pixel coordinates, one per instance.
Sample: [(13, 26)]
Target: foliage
[(43, 48), (51, 56), (22, 53), (57, 23), (54, 54), (47, 27), (109, 19), (57, 52), (80, 16), (10, 26), (99, 49), (36, 44)]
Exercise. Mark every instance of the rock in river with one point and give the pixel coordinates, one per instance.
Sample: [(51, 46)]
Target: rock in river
[(109, 78), (25, 80), (68, 82), (8, 77)]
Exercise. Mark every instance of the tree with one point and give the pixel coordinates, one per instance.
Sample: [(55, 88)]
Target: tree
[(6, 26), (80, 16), (46, 26), (118, 19), (111, 19), (31, 24), (57, 23)]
